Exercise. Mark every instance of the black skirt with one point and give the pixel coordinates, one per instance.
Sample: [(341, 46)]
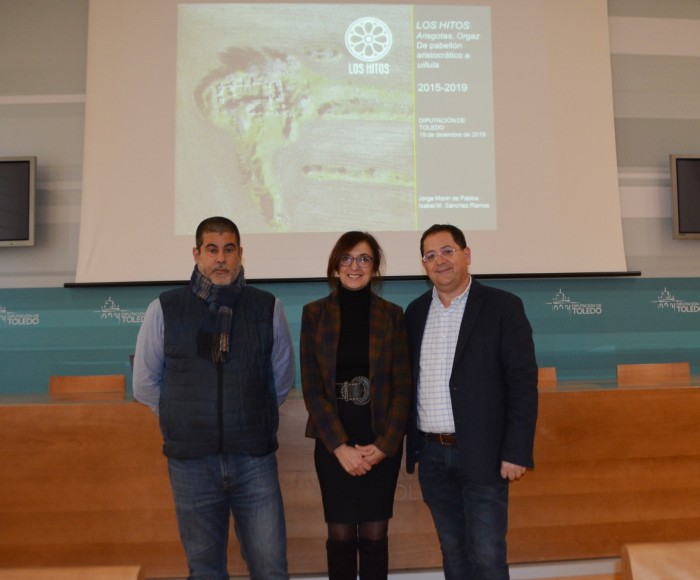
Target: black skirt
[(349, 499)]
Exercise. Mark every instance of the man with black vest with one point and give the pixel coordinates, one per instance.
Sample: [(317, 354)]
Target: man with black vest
[(214, 360)]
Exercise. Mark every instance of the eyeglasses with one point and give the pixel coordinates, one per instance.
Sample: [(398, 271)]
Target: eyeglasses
[(363, 260), (446, 252)]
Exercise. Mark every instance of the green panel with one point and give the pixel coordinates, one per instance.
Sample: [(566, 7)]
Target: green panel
[(584, 327)]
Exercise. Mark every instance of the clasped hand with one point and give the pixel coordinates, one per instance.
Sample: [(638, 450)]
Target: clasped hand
[(358, 460)]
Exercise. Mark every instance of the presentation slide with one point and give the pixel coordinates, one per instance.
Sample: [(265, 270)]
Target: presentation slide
[(382, 117), (301, 121)]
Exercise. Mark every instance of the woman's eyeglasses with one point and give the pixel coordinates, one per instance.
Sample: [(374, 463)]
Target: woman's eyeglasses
[(363, 260)]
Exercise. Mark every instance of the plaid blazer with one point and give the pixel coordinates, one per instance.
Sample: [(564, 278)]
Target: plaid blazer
[(389, 372)]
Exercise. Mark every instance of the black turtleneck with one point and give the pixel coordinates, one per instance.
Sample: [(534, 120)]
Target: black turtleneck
[(353, 343)]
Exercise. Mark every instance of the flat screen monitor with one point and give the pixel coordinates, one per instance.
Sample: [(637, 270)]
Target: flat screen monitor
[(17, 195), (685, 189)]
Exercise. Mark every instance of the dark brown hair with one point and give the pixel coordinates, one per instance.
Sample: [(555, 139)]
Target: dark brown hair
[(342, 247)]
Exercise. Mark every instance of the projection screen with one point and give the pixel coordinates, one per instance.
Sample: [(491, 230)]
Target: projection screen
[(302, 121)]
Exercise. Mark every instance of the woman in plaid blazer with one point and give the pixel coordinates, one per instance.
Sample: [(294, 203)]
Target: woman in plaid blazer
[(356, 381)]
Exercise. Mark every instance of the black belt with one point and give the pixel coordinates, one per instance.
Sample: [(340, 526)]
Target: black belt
[(353, 391), (446, 439)]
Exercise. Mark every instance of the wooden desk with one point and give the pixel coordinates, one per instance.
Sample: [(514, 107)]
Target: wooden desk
[(86, 484)]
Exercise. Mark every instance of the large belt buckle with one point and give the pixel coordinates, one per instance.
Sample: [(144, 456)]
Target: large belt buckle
[(360, 383)]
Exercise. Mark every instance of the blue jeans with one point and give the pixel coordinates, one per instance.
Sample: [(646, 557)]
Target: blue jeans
[(207, 491), (471, 519)]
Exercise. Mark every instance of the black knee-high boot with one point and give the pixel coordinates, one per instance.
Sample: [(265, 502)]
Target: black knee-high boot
[(342, 559), (374, 559)]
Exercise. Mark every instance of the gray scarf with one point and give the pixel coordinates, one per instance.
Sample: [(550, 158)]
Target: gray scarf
[(214, 338)]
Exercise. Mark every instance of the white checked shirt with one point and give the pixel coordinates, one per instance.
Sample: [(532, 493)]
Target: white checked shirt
[(437, 354)]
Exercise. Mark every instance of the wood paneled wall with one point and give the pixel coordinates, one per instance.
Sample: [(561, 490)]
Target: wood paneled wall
[(612, 467), (86, 484)]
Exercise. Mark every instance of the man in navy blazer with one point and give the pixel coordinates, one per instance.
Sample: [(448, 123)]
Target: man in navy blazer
[(474, 409)]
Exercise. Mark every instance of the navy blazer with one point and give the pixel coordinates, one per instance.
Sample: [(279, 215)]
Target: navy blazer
[(493, 385)]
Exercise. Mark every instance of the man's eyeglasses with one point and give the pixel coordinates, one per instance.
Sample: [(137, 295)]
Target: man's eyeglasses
[(363, 260), (446, 252)]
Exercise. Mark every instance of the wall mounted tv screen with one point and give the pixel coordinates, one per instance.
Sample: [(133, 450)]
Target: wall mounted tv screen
[(17, 194), (685, 188)]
